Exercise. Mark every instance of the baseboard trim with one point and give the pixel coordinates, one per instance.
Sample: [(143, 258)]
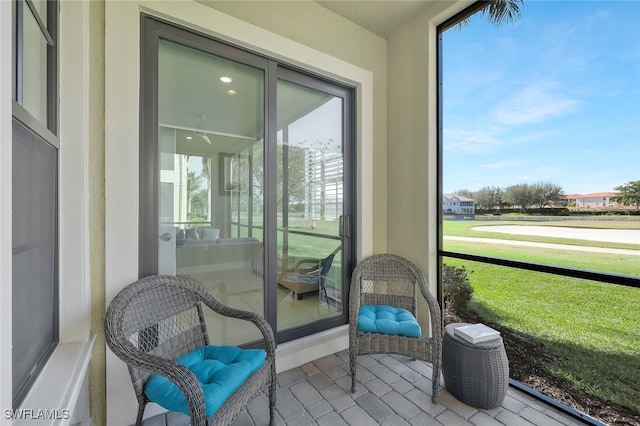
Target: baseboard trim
[(309, 348)]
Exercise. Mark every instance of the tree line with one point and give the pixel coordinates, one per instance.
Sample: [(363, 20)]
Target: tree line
[(522, 196), (539, 195), (629, 193)]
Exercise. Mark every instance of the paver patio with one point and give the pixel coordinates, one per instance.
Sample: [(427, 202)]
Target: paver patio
[(392, 391)]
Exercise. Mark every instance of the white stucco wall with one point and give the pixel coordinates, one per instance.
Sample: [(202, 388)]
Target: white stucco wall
[(412, 148)]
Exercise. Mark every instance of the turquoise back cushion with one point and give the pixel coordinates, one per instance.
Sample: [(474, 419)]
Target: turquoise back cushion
[(221, 370), (388, 320)]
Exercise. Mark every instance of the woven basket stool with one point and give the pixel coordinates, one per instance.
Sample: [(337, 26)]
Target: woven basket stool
[(475, 373)]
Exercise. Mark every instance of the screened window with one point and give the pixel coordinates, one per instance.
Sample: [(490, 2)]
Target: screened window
[(531, 112), (35, 191), (539, 136)]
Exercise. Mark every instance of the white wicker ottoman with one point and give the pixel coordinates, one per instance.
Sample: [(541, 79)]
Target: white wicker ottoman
[(476, 374)]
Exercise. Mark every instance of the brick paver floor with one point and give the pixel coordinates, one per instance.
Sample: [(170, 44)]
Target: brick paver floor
[(392, 391)]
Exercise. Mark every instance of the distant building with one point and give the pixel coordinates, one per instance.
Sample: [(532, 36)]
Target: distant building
[(593, 201), (570, 200), (458, 204), (596, 200)]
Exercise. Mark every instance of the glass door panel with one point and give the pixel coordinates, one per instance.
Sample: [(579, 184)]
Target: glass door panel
[(210, 137), (310, 205), (260, 218)]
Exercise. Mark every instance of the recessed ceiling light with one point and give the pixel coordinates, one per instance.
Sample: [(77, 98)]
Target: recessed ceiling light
[(189, 137), (231, 92), (225, 79)]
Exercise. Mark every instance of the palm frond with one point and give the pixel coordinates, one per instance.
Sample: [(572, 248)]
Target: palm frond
[(496, 11), (501, 11)]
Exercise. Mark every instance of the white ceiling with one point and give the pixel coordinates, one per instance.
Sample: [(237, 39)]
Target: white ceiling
[(382, 17)]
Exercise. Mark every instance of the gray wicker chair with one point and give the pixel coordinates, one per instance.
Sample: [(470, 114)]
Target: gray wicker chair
[(157, 319), (387, 279)]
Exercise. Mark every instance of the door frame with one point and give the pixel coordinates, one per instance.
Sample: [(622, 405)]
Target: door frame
[(152, 31), (348, 237)]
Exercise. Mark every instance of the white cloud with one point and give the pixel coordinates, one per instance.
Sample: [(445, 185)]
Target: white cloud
[(471, 141), (533, 104)]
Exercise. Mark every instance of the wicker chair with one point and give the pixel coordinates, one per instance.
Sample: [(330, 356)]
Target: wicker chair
[(390, 280), (157, 319)]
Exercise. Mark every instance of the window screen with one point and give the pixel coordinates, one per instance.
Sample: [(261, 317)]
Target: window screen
[(34, 256)]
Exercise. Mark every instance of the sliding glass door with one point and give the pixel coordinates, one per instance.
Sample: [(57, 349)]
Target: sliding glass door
[(310, 201), (244, 187)]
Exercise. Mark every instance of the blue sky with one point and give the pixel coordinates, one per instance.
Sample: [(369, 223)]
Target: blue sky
[(553, 97)]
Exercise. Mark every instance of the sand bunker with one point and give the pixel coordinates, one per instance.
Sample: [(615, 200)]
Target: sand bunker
[(611, 235)]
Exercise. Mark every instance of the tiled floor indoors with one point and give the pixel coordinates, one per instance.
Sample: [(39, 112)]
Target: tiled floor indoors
[(393, 391)]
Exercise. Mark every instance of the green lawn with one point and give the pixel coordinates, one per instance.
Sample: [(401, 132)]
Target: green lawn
[(601, 262), (464, 229), (319, 245), (592, 326)]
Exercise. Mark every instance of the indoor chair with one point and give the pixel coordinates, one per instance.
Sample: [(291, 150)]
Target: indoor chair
[(307, 275)]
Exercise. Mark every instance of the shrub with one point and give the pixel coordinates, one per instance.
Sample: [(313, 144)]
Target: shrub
[(457, 290)]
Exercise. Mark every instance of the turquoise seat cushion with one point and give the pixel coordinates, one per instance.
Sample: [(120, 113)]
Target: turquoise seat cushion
[(388, 320), (221, 371)]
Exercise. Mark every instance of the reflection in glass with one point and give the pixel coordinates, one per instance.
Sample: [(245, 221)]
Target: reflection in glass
[(212, 169), (310, 190), (210, 203), (34, 68)]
